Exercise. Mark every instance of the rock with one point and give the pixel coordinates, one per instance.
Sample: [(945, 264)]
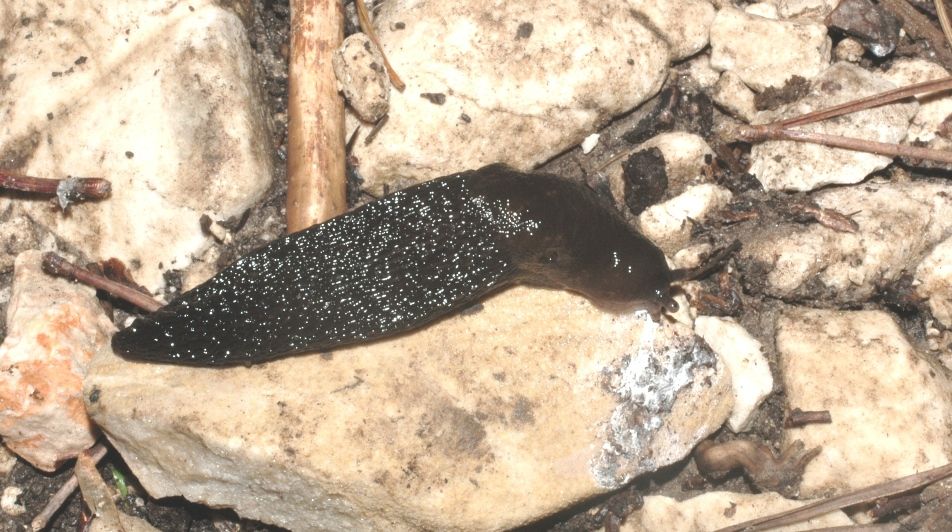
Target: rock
[(363, 79), (733, 96), (796, 48), (898, 224), (589, 143), (7, 461), (890, 409), (517, 82), (10, 501), (445, 428), (934, 282), (815, 10), (669, 224), (684, 153), (17, 234), (848, 49), (684, 24), (763, 9), (870, 23), (743, 356), (786, 165), (53, 328), (934, 108), (719, 509), (699, 72), (158, 97)]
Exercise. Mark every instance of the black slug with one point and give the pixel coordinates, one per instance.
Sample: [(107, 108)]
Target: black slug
[(402, 262)]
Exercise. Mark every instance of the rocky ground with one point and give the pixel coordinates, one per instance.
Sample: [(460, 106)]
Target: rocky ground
[(838, 302)]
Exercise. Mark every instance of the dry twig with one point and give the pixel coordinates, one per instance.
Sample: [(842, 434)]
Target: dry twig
[(317, 187), (56, 501), (368, 28), (53, 264), (66, 191)]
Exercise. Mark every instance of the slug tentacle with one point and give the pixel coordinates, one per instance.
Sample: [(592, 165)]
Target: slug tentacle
[(402, 262)]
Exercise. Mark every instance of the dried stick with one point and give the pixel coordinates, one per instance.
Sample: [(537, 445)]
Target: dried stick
[(316, 179), (368, 28), (66, 190), (944, 20), (871, 493), (56, 501), (55, 265)]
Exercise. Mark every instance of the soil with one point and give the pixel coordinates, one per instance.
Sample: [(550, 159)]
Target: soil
[(678, 107)]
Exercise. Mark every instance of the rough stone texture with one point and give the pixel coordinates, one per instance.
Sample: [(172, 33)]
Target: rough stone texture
[(360, 71), (481, 421), (53, 328), (785, 165), (796, 48), (669, 224), (766, 10), (898, 224), (743, 356), (157, 96), (684, 155), (934, 282), (719, 509), (891, 410), (849, 49), (733, 96), (809, 9), (513, 82), (933, 108), (684, 24)]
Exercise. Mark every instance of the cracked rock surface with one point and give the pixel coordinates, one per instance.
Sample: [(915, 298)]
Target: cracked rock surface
[(469, 414)]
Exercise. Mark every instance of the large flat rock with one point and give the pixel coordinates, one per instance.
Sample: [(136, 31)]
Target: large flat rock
[(485, 420), (159, 97)]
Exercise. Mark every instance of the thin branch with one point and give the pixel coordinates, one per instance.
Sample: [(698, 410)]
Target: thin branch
[(868, 494), (56, 501), (368, 28), (55, 265), (762, 133), (944, 20), (918, 26), (71, 189)]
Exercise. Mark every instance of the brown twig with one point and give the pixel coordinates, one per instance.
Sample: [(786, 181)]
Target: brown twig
[(55, 265), (868, 494), (71, 189), (944, 21), (918, 26), (799, 418), (56, 501), (367, 27), (317, 185)]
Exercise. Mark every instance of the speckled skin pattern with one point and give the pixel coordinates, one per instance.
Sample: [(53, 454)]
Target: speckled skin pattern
[(402, 262)]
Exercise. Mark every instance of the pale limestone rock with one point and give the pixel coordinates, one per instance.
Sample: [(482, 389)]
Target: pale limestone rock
[(849, 49), (743, 355), (786, 165), (512, 82), (684, 24), (766, 10), (589, 143), (684, 156), (796, 48), (735, 97), (934, 107), (17, 235), (934, 282), (891, 410), (10, 501), (157, 96), (7, 461), (668, 224), (445, 428), (806, 9), (53, 328), (719, 509), (699, 71), (898, 224), (691, 256), (360, 71)]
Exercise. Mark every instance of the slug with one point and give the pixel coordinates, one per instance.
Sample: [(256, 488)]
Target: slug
[(404, 261)]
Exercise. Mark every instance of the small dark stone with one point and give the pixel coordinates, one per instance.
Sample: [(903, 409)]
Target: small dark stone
[(524, 31), (646, 179), (465, 118), (795, 88), (399, 25), (876, 28), (81, 60), (130, 155), (49, 116), (437, 98)]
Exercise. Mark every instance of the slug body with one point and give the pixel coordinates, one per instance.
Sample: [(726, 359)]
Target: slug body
[(404, 261)]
